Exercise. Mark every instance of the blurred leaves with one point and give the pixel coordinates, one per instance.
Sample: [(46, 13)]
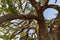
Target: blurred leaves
[(13, 7), (8, 6), (48, 23), (22, 34)]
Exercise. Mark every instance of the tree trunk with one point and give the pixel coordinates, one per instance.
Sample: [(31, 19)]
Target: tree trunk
[(42, 30)]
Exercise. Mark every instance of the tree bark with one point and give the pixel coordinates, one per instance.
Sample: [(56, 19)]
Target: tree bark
[(55, 28), (42, 31)]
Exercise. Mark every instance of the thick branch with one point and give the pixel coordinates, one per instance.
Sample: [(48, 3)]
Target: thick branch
[(53, 6), (14, 16)]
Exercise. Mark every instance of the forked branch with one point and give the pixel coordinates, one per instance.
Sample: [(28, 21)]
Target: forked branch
[(35, 4)]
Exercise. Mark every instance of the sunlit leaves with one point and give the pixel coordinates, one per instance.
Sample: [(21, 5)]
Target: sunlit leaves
[(22, 34), (4, 1), (30, 38), (8, 6), (42, 2), (48, 23), (23, 1)]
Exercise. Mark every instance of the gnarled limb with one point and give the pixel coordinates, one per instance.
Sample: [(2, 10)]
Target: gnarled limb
[(16, 16), (53, 6)]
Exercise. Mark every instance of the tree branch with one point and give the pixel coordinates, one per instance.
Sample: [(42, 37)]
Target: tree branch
[(35, 4), (46, 4), (16, 16), (20, 30), (53, 6), (55, 1)]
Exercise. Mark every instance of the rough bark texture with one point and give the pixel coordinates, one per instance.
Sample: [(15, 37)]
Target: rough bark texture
[(42, 31), (16, 16)]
